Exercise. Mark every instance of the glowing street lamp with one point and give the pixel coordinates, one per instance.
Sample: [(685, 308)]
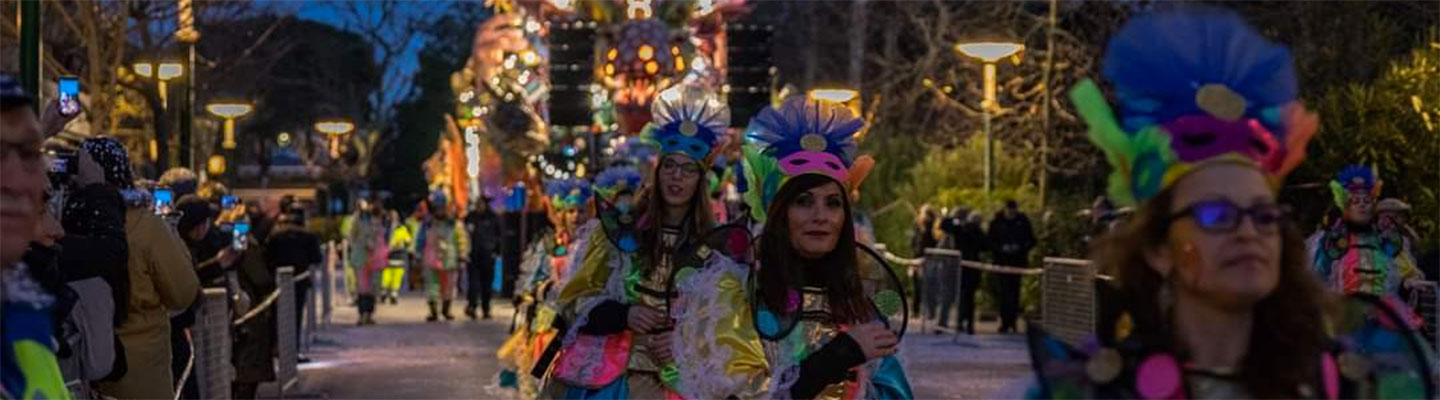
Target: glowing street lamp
[(161, 72), (989, 53), (334, 129), (849, 98), (229, 112)]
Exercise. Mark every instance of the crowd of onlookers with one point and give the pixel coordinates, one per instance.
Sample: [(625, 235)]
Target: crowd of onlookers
[(103, 269), (1008, 239)]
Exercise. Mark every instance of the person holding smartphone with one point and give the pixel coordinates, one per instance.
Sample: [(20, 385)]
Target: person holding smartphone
[(162, 279)]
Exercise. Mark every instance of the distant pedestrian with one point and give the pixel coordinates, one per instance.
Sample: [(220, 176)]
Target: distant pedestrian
[(1011, 239), (484, 228)]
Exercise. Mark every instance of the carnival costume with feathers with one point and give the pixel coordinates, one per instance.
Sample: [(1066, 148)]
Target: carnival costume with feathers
[(1360, 259), (806, 136), (601, 357), (544, 267), (1197, 86)]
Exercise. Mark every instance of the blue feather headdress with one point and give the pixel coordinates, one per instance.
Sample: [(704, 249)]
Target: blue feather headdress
[(616, 180), (688, 120), (1195, 84), (567, 193), (1355, 180), (802, 136)]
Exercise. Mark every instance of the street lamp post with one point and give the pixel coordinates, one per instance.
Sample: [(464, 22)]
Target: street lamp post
[(989, 53), (162, 73), (187, 34), (229, 112), (335, 128)]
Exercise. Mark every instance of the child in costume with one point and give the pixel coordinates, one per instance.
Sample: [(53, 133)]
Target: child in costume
[(633, 335), (829, 310), (1217, 293), (1353, 254), (397, 259), (543, 271), (444, 246)]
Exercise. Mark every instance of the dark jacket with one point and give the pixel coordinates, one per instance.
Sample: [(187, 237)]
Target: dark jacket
[(922, 237), (291, 245), (485, 235), (94, 242), (964, 236), (1011, 239)]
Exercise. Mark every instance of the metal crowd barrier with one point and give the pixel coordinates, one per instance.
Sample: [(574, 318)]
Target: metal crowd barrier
[(1424, 301), (1068, 300), (214, 372)]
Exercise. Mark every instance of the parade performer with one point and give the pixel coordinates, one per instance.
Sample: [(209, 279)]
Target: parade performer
[(638, 330), (397, 260), (829, 310), (1218, 299), (1353, 254), (543, 271), (443, 246), (366, 232)]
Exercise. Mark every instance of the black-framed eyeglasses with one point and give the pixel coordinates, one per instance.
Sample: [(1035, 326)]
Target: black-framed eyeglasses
[(1223, 216), (689, 168)]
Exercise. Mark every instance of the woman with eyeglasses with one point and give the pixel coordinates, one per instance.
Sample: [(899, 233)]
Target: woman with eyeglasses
[(1219, 300), (830, 313), (631, 335)]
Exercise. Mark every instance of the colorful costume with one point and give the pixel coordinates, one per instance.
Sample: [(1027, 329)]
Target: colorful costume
[(367, 257), (1200, 87), (806, 136), (397, 259), (1360, 258), (526, 356), (28, 368), (442, 242), (715, 352)]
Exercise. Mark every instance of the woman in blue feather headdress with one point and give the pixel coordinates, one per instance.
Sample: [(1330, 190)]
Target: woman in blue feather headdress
[(630, 335), (1212, 288), (829, 311)]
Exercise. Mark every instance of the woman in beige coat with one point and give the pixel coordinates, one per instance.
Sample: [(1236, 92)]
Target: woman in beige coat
[(162, 279)]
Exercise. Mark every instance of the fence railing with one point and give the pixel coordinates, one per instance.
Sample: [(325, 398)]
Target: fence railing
[(213, 330)]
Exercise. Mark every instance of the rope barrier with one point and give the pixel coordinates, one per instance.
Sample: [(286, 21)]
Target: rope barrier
[(987, 267), (269, 302)]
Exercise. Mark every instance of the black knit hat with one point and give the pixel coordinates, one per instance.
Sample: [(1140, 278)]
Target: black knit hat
[(193, 211)]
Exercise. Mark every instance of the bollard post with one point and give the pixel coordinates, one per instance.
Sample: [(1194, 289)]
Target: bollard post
[(213, 371), (955, 294), (312, 320), (327, 286), (285, 372)]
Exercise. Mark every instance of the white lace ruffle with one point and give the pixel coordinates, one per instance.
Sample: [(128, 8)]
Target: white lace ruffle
[(703, 308)]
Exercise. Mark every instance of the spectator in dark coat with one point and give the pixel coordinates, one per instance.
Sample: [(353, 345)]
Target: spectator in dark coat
[(963, 232), (924, 236), (1011, 239), (485, 238), (292, 245)]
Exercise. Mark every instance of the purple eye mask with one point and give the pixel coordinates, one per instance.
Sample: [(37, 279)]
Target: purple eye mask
[(815, 162), (1198, 137)]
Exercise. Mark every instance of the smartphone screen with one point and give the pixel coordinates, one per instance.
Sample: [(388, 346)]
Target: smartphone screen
[(69, 95), (163, 199), (240, 230), (227, 202)]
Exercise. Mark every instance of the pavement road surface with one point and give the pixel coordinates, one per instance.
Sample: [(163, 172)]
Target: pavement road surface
[(404, 357)]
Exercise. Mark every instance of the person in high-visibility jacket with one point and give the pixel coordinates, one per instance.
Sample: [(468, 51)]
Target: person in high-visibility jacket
[(402, 238)]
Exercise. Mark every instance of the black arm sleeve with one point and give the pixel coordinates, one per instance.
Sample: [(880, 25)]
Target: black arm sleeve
[(607, 318), (831, 364)]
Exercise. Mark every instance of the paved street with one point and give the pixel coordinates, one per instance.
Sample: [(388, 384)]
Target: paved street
[(403, 357)]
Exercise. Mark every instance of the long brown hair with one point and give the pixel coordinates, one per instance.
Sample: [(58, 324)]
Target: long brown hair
[(652, 201), (1288, 334), (783, 270)]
